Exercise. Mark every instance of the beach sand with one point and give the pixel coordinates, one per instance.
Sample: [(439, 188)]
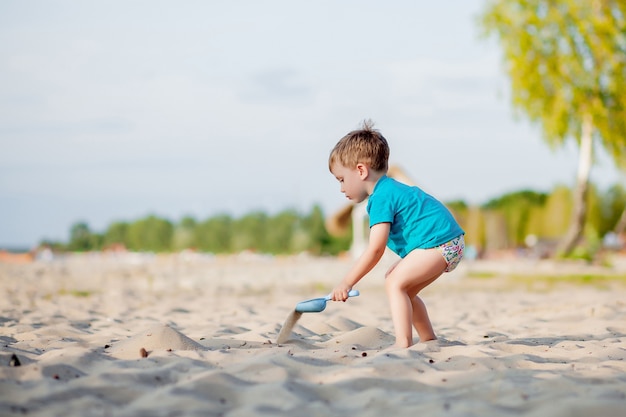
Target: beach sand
[(188, 334)]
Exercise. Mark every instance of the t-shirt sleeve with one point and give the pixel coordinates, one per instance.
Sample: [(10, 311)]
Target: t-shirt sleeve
[(380, 210)]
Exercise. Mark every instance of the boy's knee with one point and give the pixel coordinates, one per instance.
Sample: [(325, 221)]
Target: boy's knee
[(390, 270), (392, 283), (388, 284)]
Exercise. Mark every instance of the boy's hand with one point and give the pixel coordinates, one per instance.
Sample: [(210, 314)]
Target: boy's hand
[(340, 293)]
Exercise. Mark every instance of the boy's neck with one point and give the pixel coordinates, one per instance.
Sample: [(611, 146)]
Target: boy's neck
[(372, 179)]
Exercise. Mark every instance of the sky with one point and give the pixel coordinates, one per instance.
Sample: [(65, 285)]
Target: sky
[(115, 110)]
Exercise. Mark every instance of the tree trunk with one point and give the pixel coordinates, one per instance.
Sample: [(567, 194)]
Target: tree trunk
[(577, 225)]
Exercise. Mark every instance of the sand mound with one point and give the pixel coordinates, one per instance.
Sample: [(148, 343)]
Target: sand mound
[(161, 337), (363, 338), (343, 324)]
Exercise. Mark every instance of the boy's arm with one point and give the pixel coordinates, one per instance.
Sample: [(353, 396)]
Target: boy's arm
[(379, 233)]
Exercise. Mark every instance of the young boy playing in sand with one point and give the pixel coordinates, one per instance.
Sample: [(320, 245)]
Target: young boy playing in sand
[(414, 225)]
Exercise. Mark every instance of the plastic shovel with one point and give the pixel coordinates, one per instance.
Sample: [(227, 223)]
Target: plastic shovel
[(315, 305)]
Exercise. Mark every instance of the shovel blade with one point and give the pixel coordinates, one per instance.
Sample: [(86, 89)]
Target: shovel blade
[(316, 305)]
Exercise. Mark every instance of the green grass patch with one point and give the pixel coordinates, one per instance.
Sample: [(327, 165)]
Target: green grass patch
[(482, 274), (76, 293), (549, 282), (582, 279), (540, 282), (320, 287)]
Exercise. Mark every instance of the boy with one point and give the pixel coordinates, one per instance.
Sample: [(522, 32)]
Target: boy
[(414, 225)]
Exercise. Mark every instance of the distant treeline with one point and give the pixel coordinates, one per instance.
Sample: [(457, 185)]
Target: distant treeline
[(502, 223), (525, 217), (287, 232)]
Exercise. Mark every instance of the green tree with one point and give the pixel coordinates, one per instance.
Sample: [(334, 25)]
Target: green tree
[(459, 210), (116, 233), (150, 234), (614, 209), (249, 232), (280, 232), (313, 233), (620, 225), (81, 238), (215, 234), (475, 229), (595, 219), (566, 62), (184, 233), (557, 213), (516, 209)]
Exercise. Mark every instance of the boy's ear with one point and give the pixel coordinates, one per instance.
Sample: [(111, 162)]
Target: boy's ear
[(363, 171)]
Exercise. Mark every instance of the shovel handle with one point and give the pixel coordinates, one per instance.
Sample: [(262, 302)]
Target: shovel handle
[(351, 293)]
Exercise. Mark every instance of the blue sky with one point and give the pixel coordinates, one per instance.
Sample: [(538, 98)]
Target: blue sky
[(112, 110)]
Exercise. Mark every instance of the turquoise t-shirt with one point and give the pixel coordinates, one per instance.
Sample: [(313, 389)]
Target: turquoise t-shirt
[(418, 220)]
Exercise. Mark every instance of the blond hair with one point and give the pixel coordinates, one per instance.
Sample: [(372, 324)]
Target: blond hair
[(365, 145)]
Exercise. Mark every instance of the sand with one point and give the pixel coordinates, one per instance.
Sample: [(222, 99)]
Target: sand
[(145, 335), (285, 332)]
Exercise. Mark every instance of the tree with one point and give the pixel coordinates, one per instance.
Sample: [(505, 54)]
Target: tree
[(151, 234), (214, 234), (250, 232), (620, 225), (183, 237), (81, 238), (614, 204), (516, 209), (279, 231), (567, 64), (318, 241), (116, 233), (475, 229)]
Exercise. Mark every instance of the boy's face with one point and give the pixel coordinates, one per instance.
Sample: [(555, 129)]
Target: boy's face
[(352, 181)]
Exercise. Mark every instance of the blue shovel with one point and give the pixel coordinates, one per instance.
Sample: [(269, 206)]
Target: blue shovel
[(315, 305)]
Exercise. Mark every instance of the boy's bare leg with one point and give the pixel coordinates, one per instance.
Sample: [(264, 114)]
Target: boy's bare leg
[(401, 312), (421, 321), (403, 282)]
